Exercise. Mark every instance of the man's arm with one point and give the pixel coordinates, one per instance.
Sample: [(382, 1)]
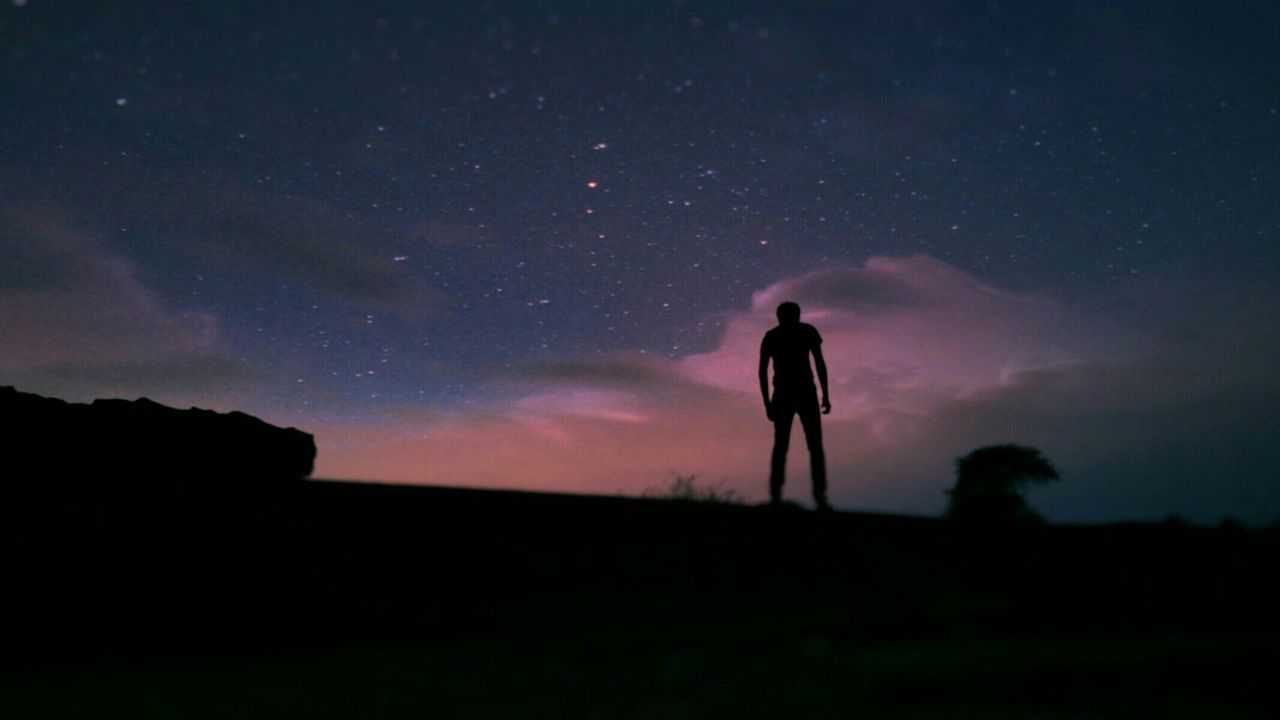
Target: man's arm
[(821, 366), (764, 379)]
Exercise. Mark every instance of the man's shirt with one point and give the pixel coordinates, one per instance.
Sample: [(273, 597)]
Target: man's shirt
[(789, 347)]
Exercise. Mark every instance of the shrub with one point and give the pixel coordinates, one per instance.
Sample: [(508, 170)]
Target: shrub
[(990, 482), (685, 488)]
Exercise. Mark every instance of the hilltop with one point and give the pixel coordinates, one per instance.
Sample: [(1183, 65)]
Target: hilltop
[(326, 599)]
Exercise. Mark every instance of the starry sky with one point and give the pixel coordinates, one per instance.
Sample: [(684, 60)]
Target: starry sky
[(534, 245)]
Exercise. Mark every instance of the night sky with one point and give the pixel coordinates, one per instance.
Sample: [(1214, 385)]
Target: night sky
[(517, 244)]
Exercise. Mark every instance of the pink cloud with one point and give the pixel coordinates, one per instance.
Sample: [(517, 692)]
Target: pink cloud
[(898, 331), (902, 338), (568, 448)]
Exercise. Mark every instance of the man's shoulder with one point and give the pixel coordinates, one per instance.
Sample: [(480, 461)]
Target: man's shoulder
[(785, 331)]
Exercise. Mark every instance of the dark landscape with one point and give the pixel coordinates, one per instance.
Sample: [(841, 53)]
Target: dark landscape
[(327, 599)]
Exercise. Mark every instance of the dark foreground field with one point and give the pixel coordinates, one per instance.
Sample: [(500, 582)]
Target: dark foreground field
[(359, 601)]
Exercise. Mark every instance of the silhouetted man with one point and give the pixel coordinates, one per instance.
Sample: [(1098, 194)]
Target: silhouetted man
[(789, 345)]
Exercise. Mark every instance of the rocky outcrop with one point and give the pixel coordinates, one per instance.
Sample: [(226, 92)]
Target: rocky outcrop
[(48, 443)]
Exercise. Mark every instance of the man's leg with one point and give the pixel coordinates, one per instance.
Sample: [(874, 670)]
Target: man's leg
[(811, 421), (782, 416)]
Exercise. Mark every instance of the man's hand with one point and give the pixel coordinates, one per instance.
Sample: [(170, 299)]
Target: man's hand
[(826, 405), (768, 410)]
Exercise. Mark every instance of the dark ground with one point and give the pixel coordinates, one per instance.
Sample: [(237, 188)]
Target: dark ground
[(341, 600)]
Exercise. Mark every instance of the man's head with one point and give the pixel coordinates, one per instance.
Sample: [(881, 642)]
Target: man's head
[(788, 313)]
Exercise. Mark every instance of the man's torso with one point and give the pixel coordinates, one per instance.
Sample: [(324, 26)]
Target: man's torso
[(789, 347)]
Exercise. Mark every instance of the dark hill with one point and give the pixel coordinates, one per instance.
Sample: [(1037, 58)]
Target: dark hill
[(51, 447), (323, 599)]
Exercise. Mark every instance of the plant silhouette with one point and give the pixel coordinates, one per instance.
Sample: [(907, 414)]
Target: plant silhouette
[(990, 482), (685, 488)]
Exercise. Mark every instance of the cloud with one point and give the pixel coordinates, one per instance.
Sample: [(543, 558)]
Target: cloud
[(67, 298), (1145, 412), (899, 333), (585, 402), (575, 442), (305, 242), (618, 371), (219, 223), (1165, 433), (80, 323)]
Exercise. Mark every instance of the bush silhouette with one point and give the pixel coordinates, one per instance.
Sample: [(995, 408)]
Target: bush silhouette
[(990, 482), (1230, 523), (685, 488)]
